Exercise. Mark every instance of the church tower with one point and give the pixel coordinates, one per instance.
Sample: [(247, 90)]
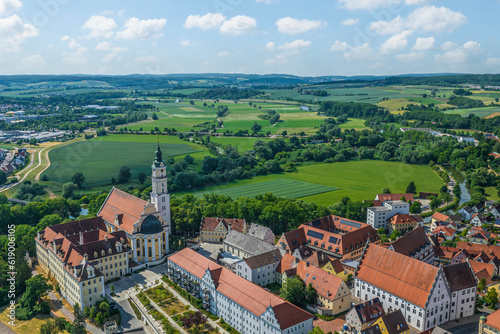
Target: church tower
[(159, 194)]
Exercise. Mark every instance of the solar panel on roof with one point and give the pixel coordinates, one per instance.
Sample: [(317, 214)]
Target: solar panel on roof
[(333, 240), (316, 223), (315, 234), (350, 223)]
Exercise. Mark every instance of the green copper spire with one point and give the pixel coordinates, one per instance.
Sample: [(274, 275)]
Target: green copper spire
[(158, 153)]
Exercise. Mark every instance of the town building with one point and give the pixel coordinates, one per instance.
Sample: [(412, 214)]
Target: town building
[(490, 324), (377, 216), (418, 289), (466, 212), (462, 284), (263, 233), (337, 237), (215, 230), (416, 245), (394, 197), (259, 269), (244, 245), (402, 223), (392, 323), (364, 314), (245, 306)]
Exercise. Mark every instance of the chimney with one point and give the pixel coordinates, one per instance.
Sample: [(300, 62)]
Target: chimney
[(81, 238), (105, 238), (307, 263)]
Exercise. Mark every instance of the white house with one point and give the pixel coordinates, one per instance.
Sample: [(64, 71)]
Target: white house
[(466, 212), (462, 285), (259, 269), (377, 216), (415, 244)]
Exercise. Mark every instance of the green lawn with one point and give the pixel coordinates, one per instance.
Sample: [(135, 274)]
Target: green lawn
[(101, 159), (480, 112), (279, 187), (358, 180), (491, 194)]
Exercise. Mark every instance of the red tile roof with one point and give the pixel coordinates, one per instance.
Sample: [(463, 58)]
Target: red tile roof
[(395, 273), (449, 232), (326, 285), (401, 218), (439, 216), (128, 207), (210, 223), (395, 197), (493, 320), (490, 250), (412, 242), (247, 294)]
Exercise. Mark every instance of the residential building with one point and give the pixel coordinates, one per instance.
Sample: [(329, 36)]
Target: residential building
[(392, 323), (259, 269), (490, 324), (243, 245), (377, 216), (478, 220), (215, 230), (440, 217), (402, 223), (462, 284), (441, 223), (262, 233), (415, 244), (466, 212), (245, 306), (418, 289), (337, 237), (81, 256), (394, 197), (364, 314), (333, 294), (479, 235), (445, 232)]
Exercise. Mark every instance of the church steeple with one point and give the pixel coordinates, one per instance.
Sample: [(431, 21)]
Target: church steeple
[(158, 153), (160, 197)]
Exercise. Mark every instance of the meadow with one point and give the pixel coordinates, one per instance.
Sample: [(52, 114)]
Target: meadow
[(359, 180), (100, 159), (480, 112)]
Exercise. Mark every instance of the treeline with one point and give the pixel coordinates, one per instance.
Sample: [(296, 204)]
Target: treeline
[(226, 93), (353, 110), (446, 80)]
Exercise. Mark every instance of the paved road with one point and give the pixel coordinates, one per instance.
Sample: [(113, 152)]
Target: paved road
[(5, 330)]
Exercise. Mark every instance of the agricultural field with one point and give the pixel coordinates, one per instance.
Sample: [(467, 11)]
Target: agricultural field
[(281, 187), (480, 112), (359, 180), (101, 158), (241, 143)]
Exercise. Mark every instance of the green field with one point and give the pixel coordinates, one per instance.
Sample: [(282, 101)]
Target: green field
[(241, 143), (102, 158), (279, 187), (480, 112), (359, 180)]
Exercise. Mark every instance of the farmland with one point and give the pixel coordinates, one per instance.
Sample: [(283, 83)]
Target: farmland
[(359, 180), (480, 112), (101, 159)]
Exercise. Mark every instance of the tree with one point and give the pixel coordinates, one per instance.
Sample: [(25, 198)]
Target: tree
[(411, 189), (395, 234), (104, 306), (311, 294), (49, 327), (68, 190), (189, 159), (112, 288), (124, 175), (48, 220), (317, 330), (3, 178), (435, 202), (481, 285), (31, 302), (154, 116), (386, 191), (402, 198), (79, 324), (141, 177), (256, 127), (491, 297), (293, 290), (79, 179), (416, 207)]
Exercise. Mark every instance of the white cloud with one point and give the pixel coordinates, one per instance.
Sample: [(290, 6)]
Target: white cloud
[(113, 52), (268, 2), (147, 59), (34, 62), (278, 60), (224, 54), (185, 42), (423, 44), (295, 46), (428, 18), (14, 32), (270, 46), (396, 43), (238, 25), (292, 26), (460, 55), (9, 6), (65, 38), (142, 29), (100, 26), (366, 4), (76, 58), (350, 22), (417, 2), (352, 52), (448, 46), (205, 22), (411, 57), (73, 44)]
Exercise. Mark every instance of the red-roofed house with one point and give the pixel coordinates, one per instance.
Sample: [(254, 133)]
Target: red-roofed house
[(214, 230), (490, 324), (242, 304), (394, 197)]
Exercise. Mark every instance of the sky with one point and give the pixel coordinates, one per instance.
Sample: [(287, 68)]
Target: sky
[(306, 38)]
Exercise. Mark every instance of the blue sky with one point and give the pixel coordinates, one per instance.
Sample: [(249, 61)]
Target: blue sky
[(316, 37)]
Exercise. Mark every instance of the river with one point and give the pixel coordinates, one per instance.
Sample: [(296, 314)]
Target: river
[(462, 181)]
